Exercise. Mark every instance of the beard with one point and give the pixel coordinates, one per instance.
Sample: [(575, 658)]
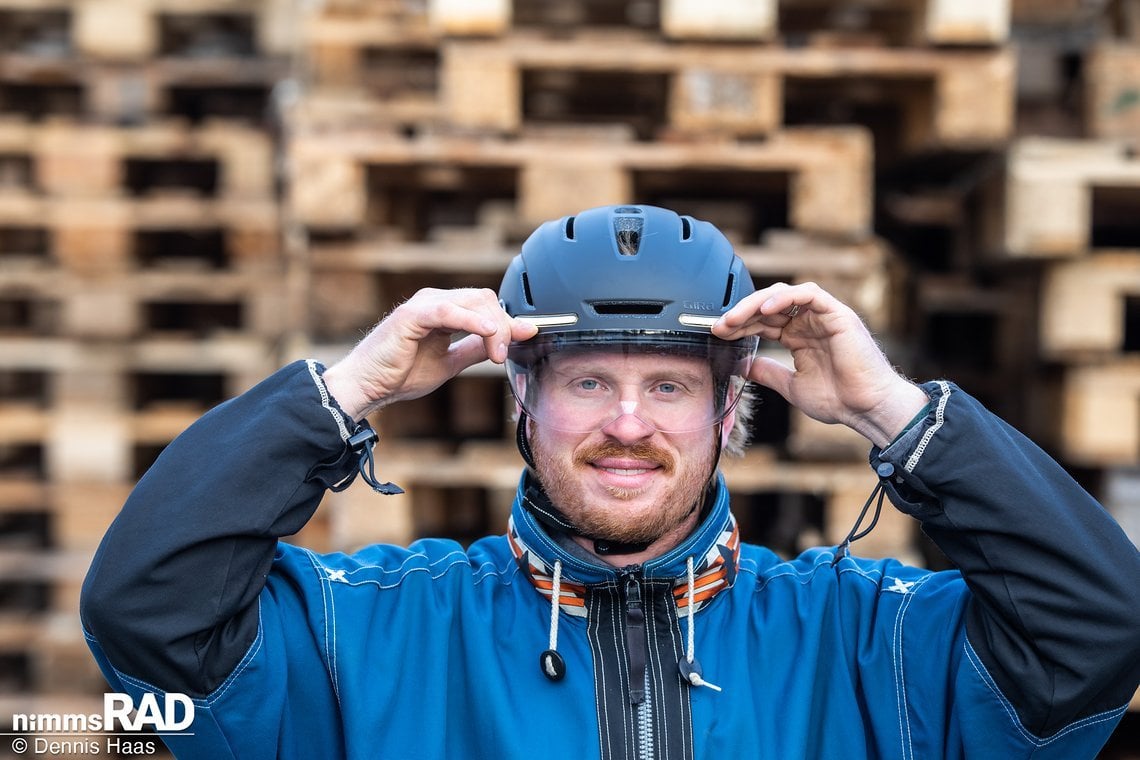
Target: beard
[(631, 516)]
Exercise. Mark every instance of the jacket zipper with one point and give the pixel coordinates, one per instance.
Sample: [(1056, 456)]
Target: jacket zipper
[(637, 644)]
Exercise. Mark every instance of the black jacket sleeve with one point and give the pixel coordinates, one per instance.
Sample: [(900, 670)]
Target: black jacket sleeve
[(171, 595), (1055, 614)]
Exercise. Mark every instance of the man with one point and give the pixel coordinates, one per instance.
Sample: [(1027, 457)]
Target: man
[(620, 617)]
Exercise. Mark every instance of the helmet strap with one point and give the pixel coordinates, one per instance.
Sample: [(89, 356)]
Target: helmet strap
[(521, 440)]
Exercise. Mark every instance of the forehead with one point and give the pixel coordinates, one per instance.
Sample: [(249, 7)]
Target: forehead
[(628, 360)]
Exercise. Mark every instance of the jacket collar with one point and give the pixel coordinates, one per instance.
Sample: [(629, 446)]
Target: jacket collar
[(714, 547)]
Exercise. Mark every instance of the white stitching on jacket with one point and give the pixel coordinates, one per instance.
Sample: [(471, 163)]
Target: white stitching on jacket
[(325, 399), (900, 674), (939, 418), (329, 604)]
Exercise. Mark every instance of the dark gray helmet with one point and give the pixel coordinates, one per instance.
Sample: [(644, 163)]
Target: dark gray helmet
[(624, 268)]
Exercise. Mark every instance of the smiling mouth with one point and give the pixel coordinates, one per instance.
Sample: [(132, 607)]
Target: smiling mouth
[(627, 471)]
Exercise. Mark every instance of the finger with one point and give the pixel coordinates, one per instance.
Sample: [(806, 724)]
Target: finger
[(797, 299), (748, 308), (515, 330), (499, 328), (765, 307), (523, 330), (763, 330), (423, 316)]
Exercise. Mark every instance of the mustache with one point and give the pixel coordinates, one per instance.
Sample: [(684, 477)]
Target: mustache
[(645, 452)]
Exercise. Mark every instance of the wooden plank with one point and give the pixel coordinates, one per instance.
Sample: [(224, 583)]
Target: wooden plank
[(830, 191), (937, 22), (83, 512), (100, 235), (972, 102), (1100, 415), (557, 184), (195, 89), (1083, 306), (131, 30), (1048, 185), (749, 20), (115, 29), (1112, 92), (469, 17), (108, 399), (74, 159), (189, 303), (967, 22), (480, 88)]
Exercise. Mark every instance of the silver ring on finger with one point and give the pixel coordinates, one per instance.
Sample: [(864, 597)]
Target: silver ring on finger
[(792, 311)]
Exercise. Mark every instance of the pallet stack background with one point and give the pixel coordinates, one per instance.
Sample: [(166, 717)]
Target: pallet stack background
[(193, 192)]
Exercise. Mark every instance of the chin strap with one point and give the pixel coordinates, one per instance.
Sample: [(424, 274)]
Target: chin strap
[(521, 440)]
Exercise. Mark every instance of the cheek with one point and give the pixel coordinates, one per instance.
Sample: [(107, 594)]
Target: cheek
[(553, 444)]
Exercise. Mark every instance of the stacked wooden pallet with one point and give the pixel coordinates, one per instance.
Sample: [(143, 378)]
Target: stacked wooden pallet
[(1068, 203), (868, 145), (428, 143), (141, 275)]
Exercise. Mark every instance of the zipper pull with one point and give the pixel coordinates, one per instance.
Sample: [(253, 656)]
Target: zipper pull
[(635, 637)]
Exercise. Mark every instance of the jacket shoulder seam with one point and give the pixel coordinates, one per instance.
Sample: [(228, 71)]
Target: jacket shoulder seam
[(1092, 720)]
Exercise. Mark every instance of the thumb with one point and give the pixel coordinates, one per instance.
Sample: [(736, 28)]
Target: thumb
[(465, 352), (773, 374)]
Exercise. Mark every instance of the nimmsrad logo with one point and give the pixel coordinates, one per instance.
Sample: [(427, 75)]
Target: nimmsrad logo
[(174, 713)]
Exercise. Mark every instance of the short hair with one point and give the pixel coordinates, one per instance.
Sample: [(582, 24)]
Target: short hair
[(741, 433)]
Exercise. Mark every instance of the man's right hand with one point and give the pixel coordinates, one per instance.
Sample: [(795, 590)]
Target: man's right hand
[(413, 350)]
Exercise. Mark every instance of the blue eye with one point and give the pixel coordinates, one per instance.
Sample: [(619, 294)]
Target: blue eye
[(589, 384), (667, 388)]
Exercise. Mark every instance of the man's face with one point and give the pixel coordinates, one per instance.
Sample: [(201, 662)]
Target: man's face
[(625, 480)]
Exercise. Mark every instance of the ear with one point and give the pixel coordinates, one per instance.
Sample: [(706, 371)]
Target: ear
[(726, 427)]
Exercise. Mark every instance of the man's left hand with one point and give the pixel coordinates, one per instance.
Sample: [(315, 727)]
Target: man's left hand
[(840, 374)]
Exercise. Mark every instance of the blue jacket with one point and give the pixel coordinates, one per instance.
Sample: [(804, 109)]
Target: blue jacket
[(433, 651)]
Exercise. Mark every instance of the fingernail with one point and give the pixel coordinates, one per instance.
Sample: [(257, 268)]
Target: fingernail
[(489, 326), (767, 304)]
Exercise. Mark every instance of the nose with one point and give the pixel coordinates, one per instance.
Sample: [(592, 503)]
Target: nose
[(628, 427)]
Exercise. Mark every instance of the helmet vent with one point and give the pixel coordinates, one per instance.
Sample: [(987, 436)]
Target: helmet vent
[(628, 307), (686, 229), (569, 228), (727, 290), (526, 290), (627, 232)]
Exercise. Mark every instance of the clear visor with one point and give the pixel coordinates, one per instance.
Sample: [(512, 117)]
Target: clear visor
[(673, 382)]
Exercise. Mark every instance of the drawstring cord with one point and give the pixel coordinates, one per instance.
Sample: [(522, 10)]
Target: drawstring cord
[(690, 667), (884, 470), (362, 443), (552, 664)]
